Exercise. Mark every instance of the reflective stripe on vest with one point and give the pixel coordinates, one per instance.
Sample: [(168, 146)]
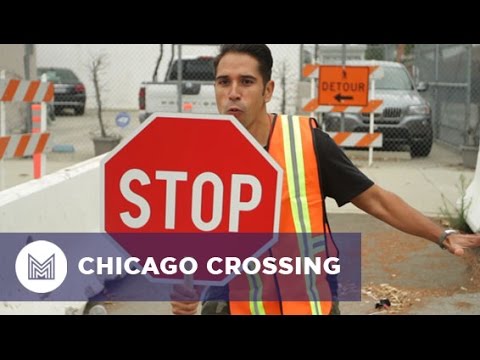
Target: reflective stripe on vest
[(302, 213)]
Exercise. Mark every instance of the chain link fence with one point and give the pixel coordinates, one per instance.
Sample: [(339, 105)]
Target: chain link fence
[(453, 74), (448, 73), (135, 78)]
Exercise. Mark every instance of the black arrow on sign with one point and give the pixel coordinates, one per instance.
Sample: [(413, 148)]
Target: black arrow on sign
[(340, 97)]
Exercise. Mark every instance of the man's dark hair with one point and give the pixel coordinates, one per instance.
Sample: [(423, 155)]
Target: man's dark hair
[(260, 52)]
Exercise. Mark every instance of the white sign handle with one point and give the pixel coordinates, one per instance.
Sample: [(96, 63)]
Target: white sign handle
[(41, 159), (372, 126)]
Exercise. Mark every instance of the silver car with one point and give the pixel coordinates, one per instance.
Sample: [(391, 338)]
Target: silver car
[(406, 118)]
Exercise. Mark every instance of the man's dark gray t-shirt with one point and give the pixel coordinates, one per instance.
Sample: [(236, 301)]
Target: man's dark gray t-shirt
[(341, 180)]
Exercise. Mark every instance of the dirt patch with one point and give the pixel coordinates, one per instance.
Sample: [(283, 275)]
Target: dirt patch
[(402, 300), (463, 305), (408, 271), (388, 299), (472, 258)]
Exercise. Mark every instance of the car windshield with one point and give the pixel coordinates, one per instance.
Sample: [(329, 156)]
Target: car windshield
[(197, 69), (59, 76), (394, 79)]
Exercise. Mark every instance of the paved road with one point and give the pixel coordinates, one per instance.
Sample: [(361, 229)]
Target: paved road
[(78, 130)]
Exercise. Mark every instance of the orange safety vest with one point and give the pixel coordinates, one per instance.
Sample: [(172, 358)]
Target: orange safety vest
[(302, 214)]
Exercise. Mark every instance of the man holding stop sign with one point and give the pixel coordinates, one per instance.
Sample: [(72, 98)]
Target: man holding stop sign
[(314, 167)]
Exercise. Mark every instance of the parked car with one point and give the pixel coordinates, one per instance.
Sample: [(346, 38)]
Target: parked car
[(69, 90), (406, 117)]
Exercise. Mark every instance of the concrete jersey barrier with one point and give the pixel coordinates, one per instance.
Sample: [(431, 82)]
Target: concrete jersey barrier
[(65, 201)]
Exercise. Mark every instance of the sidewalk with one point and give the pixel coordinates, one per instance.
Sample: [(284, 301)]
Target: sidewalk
[(420, 182), (19, 171)]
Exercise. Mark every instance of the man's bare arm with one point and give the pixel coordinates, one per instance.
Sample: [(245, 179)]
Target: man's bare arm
[(391, 209)]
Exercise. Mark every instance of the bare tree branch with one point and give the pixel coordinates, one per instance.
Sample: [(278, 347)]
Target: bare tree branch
[(159, 60), (97, 68)]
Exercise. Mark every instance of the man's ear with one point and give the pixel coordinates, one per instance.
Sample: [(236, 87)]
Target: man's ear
[(269, 91)]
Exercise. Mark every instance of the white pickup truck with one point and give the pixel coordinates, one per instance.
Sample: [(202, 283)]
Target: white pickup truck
[(194, 91)]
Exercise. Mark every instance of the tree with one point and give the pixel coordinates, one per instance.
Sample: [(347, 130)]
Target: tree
[(105, 142), (157, 65), (97, 68)]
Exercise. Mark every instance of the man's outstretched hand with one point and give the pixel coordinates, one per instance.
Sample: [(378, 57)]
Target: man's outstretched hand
[(457, 243)]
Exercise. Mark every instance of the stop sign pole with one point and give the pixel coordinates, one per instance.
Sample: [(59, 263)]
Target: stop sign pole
[(191, 174)]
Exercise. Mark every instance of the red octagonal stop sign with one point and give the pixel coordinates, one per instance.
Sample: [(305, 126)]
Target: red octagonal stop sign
[(193, 175)]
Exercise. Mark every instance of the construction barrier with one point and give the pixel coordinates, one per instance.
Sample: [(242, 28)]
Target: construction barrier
[(14, 90), (360, 140), (374, 106), (23, 145), (344, 89)]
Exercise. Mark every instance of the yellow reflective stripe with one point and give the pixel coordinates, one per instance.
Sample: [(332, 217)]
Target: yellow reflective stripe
[(316, 305), (296, 180), (256, 308), (290, 172), (304, 216), (318, 244), (255, 294), (301, 174)]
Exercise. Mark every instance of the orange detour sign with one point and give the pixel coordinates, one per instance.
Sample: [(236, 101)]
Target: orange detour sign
[(343, 89), (343, 85)]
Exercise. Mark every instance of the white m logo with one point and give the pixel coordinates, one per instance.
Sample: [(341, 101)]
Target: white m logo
[(41, 266), (41, 271)]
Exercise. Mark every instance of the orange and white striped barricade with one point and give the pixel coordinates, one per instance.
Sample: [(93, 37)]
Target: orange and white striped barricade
[(14, 90), (24, 145), (348, 103), (357, 140)]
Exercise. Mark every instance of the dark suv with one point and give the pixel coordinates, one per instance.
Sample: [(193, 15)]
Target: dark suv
[(406, 117), (69, 90)]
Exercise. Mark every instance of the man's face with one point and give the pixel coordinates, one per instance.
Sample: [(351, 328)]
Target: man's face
[(239, 88)]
